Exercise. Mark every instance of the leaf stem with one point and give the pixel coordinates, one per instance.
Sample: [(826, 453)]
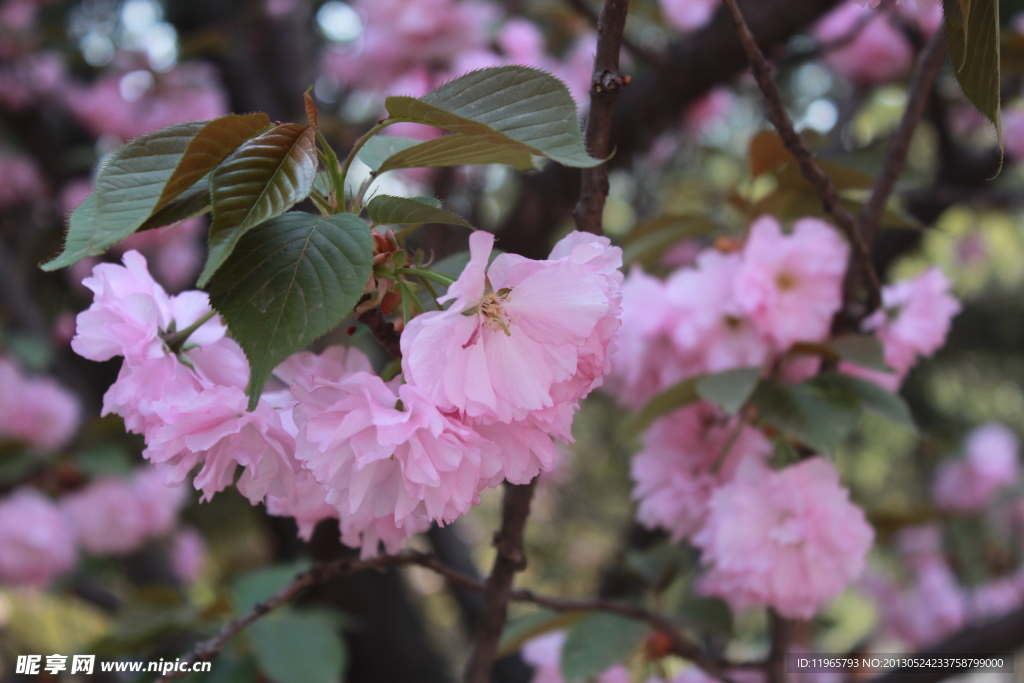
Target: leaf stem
[(433, 292), (381, 125), (321, 202), (330, 161), (440, 278), (177, 340)]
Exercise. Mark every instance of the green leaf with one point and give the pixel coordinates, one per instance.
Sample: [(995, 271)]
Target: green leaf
[(518, 631), (709, 615), (127, 189), (512, 106), (291, 646), (871, 396), (815, 415), (208, 148), (387, 210), (257, 586), (729, 390), (667, 401), (974, 41), (291, 280), (863, 350), (261, 179), (597, 642), (456, 150), (379, 148), (193, 202)]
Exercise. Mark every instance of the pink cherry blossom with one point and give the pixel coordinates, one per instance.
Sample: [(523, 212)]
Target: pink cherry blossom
[(914, 320), (387, 455), (129, 312), (790, 539), (514, 332), (879, 53), (214, 429), (36, 542), (188, 555), (684, 460), (107, 517), (991, 465), (646, 361), (688, 15), (308, 506), (35, 410), (791, 284), (709, 327)]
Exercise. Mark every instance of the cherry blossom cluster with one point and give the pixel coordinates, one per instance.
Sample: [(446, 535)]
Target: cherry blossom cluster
[(41, 538), (36, 411), (790, 539), (485, 385), (733, 309), (748, 307)]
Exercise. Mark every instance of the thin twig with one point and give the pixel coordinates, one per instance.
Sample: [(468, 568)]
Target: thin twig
[(511, 559), (208, 649), (821, 182), (605, 86), (928, 64)]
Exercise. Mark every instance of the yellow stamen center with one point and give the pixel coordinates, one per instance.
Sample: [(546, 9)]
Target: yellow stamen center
[(495, 315)]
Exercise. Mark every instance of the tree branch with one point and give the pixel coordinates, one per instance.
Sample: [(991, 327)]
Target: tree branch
[(208, 649), (382, 330), (780, 633), (928, 63), (498, 589), (820, 180), (604, 91), (1002, 636)]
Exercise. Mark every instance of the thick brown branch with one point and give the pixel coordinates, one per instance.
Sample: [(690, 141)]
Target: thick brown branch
[(928, 63), (820, 180), (605, 86), (511, 559), (1002, 636), (780, 629)]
